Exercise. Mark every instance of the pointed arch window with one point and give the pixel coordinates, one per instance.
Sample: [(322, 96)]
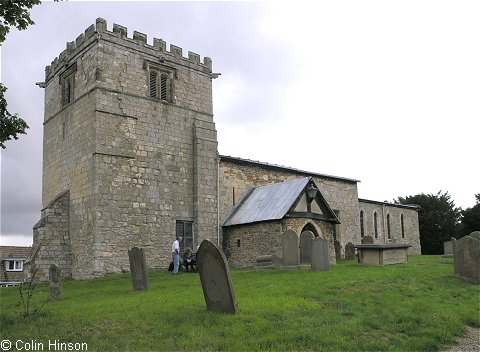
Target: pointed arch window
[(362, 225), (389, 232)]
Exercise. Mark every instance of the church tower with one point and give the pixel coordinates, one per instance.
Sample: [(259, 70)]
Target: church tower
[(129, 156)]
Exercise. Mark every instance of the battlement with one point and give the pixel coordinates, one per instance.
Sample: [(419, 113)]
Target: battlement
[(138, 41)]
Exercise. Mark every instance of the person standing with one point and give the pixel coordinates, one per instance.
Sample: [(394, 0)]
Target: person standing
[(176, 254)]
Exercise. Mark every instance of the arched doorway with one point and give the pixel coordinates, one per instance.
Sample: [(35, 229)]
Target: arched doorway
[(310, 227), (309, 232)]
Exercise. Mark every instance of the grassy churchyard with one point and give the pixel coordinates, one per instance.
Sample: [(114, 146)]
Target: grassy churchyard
[(419, 306)]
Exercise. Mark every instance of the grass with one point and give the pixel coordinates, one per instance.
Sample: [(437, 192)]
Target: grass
[(419, 306)]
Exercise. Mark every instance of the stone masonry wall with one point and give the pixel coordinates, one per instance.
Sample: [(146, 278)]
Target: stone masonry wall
[(411, 233), (244, 243), (238, 176), (134, 165), (51, 235), (324, 229)]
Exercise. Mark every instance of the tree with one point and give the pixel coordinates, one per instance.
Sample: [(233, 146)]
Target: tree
[(12, 14), (438, 219), (470, 219), (15, 14), (11, 125)]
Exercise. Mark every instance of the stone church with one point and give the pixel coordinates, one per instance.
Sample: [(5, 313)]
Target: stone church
[(130, 158)]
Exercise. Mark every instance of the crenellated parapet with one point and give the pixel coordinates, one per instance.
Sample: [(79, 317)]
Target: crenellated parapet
[(99, 31)]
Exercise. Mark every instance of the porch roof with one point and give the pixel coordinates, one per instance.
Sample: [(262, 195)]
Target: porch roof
[(270, 202)]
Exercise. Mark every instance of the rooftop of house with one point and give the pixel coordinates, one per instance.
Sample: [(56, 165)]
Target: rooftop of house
[(14, 252)]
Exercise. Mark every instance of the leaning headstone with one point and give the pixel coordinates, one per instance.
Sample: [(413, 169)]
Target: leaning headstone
[(349, 251), (306, 238), (216, 280), (367, 240), (290, 252), (138, 269), (319, 255), (338, 250), (466, 258), (55, 276)]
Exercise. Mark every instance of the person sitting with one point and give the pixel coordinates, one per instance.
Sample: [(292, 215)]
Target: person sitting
[(195, 259), (188, 259)]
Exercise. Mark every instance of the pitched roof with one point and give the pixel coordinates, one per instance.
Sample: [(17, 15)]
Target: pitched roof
[(236, 160), (270, 202), (278, 200), (14, 252)]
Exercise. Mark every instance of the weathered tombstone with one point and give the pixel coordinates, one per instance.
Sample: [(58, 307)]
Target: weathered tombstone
[(306, 238), (264, 262), (55, 276), (138, 269), (367, 240), (319, 255), (475, 234), (216, 281), (447, 249), (338, 249), (466, 258), (349, 251), (290, 252)]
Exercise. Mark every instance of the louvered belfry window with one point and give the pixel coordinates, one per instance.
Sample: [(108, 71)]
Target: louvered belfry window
[(160, 83), (163, 87), (153, 83)]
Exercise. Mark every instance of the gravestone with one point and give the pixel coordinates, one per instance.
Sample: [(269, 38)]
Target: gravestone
[(55, 276), (138, 269), (215, 278), (338, 249), (264, 262), (319, 255), (306, 238), (447, 249), (290, 252), (349, 251), (367, 240), (466, 258), (475, 234)]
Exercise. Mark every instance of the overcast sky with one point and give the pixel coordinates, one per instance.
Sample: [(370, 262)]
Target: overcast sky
[(386, 92)]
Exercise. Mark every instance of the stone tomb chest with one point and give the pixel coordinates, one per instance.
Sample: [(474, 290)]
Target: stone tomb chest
[(382, 254)]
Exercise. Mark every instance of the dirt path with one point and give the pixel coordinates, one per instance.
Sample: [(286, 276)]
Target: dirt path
[(468, 343)]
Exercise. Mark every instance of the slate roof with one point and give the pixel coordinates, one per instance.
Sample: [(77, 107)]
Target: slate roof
[(14, 252), (270, 202)]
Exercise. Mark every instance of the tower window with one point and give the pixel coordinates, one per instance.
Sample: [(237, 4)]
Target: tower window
[(160, 81), (67, 83), (403, 226), (375, 224), (152, 86), (163, 87)]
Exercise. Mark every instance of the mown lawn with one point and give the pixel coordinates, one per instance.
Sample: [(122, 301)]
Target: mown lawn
[(419, 306)]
